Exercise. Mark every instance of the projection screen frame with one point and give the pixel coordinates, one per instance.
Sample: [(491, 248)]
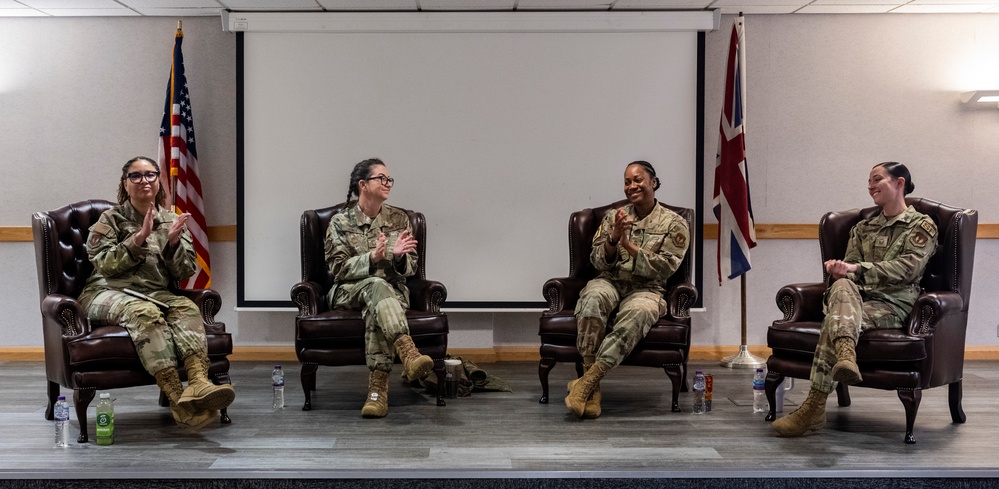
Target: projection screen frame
[(469, 22)]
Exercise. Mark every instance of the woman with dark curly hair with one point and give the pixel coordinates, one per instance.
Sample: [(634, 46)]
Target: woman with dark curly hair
[(139, 250)]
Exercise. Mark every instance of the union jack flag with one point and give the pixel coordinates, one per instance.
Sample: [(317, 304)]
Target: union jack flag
[(178, 160), (732, 205)]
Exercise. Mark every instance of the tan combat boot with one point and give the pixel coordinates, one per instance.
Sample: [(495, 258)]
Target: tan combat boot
[(201, 394), (168, 381), (846, 370), (592, 409), (810, 416), (582, 388), (414, 365), (376, 405)]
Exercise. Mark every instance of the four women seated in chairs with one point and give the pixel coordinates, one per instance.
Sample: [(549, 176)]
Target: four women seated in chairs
[(369, 248)]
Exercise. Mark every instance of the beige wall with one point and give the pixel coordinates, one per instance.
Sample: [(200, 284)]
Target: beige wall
[(828, 96)]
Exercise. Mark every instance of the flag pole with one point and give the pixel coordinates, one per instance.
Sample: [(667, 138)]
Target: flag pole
[(743, 359)]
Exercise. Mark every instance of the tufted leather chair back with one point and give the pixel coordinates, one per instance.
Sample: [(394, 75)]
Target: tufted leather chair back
[(60, 237), (950, 267), (313, 233), (583, 226)]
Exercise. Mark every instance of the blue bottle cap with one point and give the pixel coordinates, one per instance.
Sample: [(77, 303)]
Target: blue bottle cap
[(61, 398)]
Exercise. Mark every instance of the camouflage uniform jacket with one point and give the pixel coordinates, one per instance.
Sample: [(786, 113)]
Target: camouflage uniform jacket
[(891, 254), (662, 238), (120, 263), (349, 240)]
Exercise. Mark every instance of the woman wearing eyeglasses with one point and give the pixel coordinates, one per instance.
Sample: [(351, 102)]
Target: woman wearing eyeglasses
[(141, 246), (370, 251)]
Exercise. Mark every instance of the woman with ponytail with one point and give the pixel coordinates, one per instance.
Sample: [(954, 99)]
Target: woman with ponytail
[(370, 251)]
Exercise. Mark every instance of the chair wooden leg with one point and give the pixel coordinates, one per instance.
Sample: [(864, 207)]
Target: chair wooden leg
[(81, 399), (771, 384), (164, 401), (683, 380), (843, 394), (309, 383), (675, 374), (910, 400), (53, 393), (441, 379), (579, 369), (545, 367), (954, 395)]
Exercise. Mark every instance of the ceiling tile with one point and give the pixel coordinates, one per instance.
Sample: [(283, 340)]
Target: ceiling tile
[(954, 2), (180, 12), (168, 4), (893, 3), (71, 4), (276, 5), (760, 3), (89, 12), (845, 9), (660, 4), (564, 4), (467, 4), (760, 9), (942, 9), (368, 4), (20, 12)]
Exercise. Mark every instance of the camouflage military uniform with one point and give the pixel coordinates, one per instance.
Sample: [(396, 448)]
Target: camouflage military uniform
[(377, 289), (160, 337), (891, 254), (634, 286)]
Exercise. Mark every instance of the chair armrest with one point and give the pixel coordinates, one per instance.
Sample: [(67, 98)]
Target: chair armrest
[(209, 302), (801, 302), (562, 293), (67, 313), (426, 295), (929, 308), (679, 298), (308, 297)]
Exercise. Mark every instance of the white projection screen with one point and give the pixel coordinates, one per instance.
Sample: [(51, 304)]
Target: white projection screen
[(496, 136)]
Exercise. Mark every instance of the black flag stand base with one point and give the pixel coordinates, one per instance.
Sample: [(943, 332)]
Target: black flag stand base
[(743, 359)]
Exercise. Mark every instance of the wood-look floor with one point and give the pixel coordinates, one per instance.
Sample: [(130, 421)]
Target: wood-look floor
[(503, 431)]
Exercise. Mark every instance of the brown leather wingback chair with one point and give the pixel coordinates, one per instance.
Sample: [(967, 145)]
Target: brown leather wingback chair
[(336, 337), (927, 352), (87, 356), (667, 345)]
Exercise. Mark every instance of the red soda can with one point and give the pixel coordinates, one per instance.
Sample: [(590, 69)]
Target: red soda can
[(709, 383)]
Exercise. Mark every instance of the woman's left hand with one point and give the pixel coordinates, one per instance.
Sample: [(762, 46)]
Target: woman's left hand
[(404, 244), (177, 227)]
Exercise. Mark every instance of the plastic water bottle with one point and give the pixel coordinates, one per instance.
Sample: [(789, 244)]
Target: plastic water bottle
[(759, 393), (277, 380), (698, 392), (61, 413), (105, 420)]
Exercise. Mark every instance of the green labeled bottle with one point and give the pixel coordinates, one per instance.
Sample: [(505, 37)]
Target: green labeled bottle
[(105, 420)]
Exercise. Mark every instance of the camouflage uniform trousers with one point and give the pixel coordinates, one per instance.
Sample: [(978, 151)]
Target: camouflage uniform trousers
[(846, 316), (383, 309), (161, 338), (638, 311)]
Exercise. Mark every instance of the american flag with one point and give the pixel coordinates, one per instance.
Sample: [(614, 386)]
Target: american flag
[(178, 157), (732, 205)]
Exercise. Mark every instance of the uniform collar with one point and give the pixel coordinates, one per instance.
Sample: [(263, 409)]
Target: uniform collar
[(905, 216), (653, 216), (362, 219)]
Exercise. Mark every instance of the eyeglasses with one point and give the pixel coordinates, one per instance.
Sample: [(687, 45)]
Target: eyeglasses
[(149, 176), (386, 181)]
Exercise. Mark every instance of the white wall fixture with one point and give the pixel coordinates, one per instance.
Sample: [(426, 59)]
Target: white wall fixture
[(981, 96)]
